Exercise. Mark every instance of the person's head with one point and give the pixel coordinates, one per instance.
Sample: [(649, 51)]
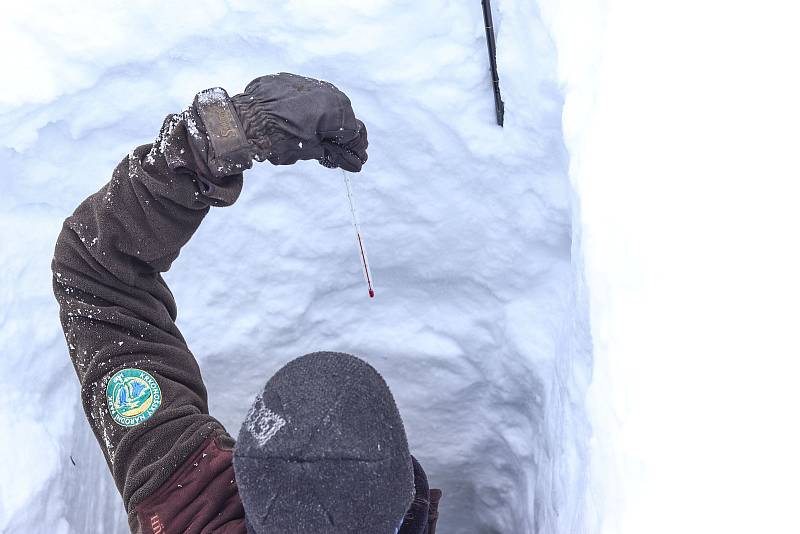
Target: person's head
[(323, 450)]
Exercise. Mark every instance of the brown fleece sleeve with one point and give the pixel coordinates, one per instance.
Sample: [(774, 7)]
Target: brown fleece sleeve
[(118, 314)]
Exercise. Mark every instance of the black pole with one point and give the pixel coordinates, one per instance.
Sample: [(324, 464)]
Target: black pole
[(498, 101)]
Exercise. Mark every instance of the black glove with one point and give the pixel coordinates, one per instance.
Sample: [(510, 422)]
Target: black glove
[(281, 118), (288, 117)]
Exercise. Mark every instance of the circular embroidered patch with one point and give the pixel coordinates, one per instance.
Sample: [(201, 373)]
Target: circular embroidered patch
[(133, 396)]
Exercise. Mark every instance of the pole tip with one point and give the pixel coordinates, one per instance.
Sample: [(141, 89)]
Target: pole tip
[(371, 293)]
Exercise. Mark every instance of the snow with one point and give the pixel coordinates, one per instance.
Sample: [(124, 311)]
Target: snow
[(588, 317), (214, 94), (681, 123), (480, 321)]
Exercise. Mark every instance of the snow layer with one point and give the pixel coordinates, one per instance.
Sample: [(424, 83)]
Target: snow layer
[(479, 324), (681, 120)]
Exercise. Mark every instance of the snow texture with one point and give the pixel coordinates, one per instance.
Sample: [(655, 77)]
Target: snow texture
[(681, 121), (479, 324)]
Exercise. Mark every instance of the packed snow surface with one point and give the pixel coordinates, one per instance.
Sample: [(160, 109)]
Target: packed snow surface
[(681, 121), (479, 323)]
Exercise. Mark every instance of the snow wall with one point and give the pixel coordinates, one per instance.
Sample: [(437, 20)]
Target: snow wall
[(681, 121), (480, 321)]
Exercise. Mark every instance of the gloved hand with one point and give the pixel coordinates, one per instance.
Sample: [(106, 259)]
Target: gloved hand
[(287, 117)]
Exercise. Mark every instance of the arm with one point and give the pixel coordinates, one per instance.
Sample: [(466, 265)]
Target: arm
[(118, 314), (141, 387)]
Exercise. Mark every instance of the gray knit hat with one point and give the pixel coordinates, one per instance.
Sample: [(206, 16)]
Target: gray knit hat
[(323, 451)]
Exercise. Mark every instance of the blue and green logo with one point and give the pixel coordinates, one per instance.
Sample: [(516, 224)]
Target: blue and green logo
[(133, 396)]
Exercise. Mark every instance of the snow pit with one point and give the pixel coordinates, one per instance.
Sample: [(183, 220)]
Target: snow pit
[(479, 323)]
